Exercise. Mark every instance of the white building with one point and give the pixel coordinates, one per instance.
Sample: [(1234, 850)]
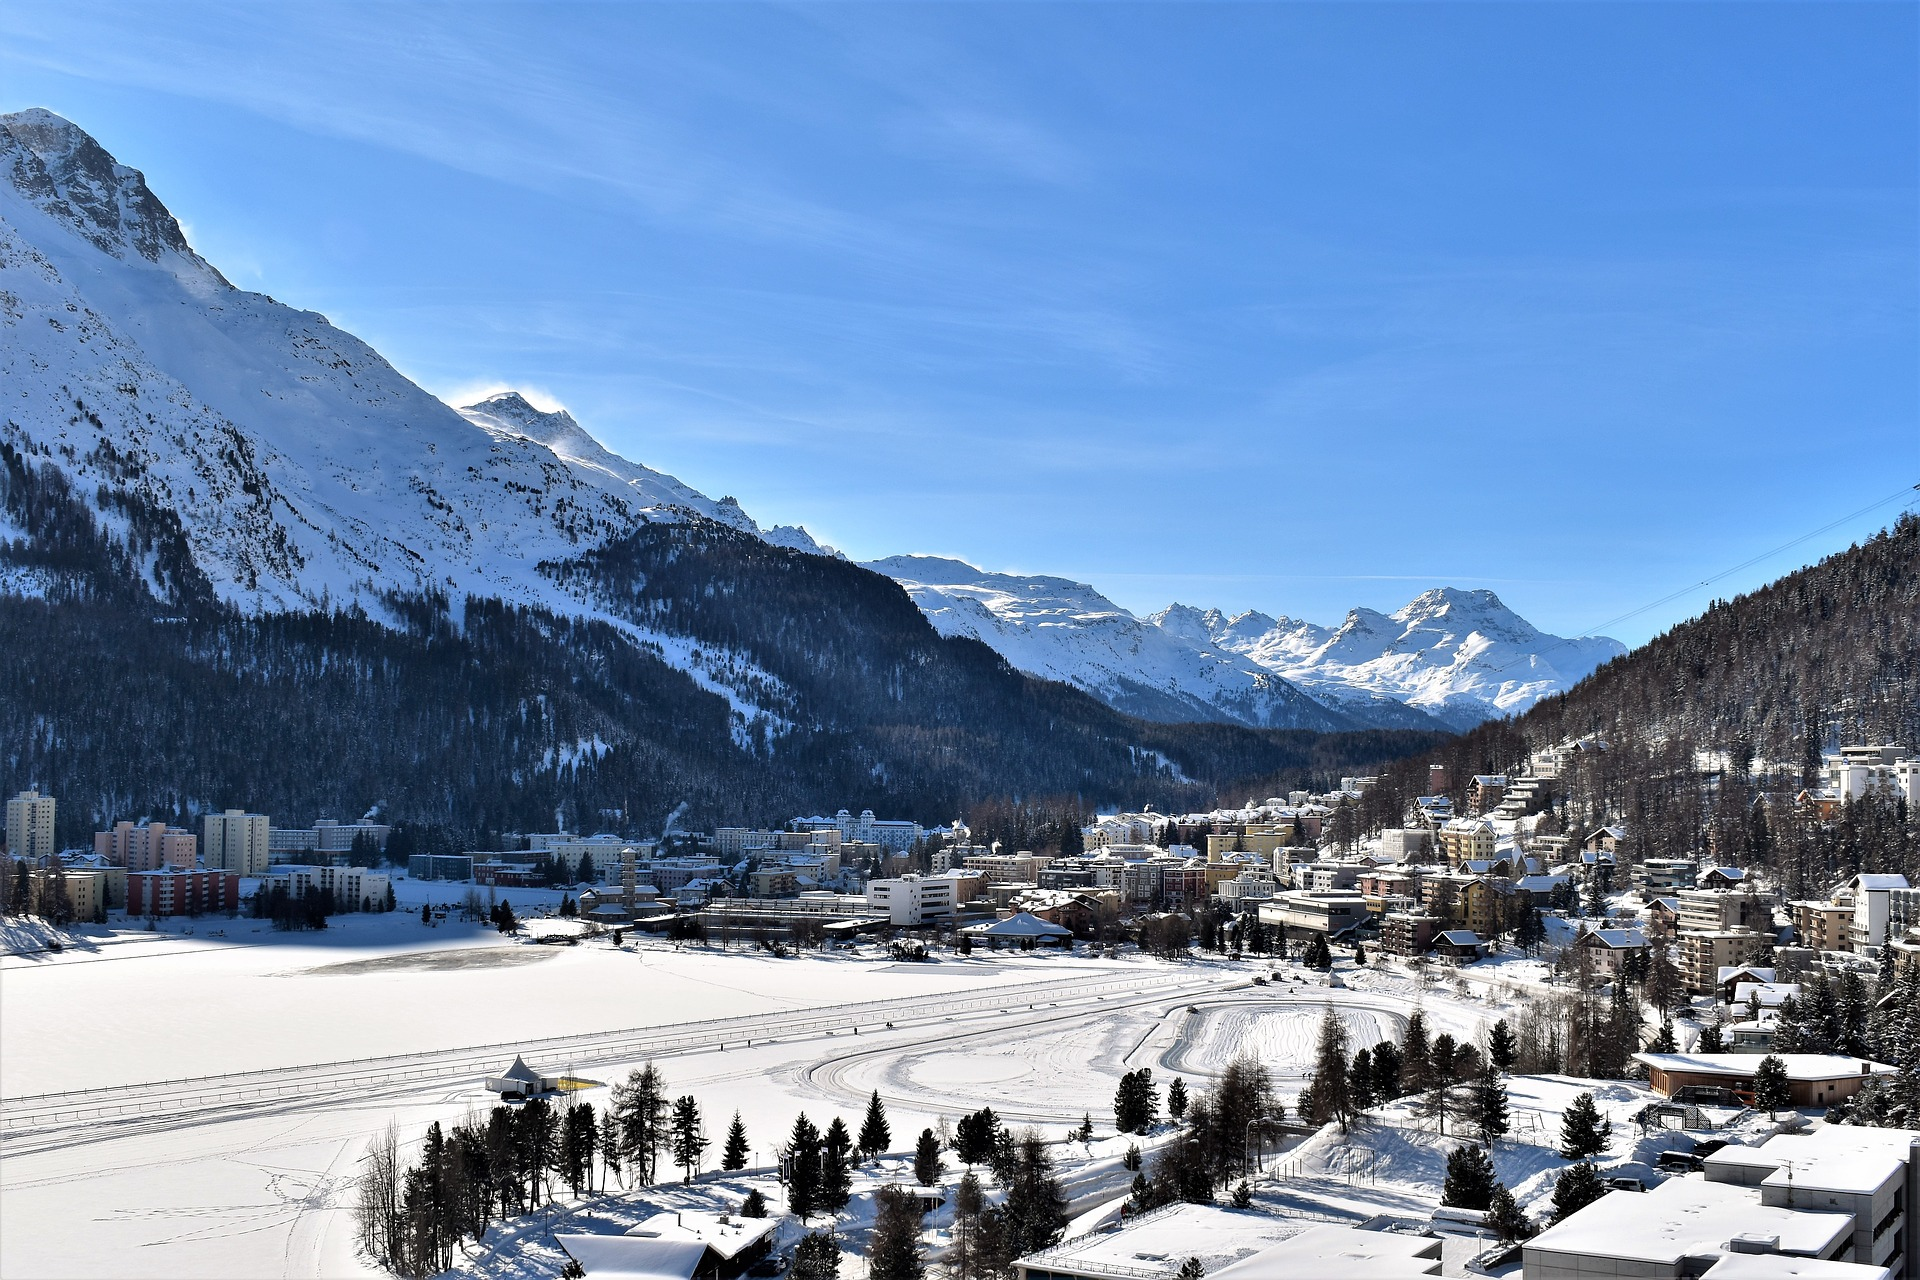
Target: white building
[(893, 835), (354, 888), (913, 900), (1313, 911), (30, 827), (1835, 1203), (1873, 908), (236, 841), (1878, 771)]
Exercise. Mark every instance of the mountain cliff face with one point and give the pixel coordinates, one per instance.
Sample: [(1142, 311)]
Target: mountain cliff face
[(230, 528), (1067, 631), (1448, 659), (1459, 656)]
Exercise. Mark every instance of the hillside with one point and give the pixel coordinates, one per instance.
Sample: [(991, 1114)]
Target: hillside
[(244, 561), (1734, 705)]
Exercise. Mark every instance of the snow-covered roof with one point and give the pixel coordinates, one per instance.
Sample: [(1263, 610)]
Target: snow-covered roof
[(1157, 1242), (1460, 938), (631, 1257), (1019, 925), (1878, 880), (725, 1234), (1780, 1266), (1800, 1066), (1618, 939), (1347, 1252), (521, 1071), (1727, 971), (1685, 1216)]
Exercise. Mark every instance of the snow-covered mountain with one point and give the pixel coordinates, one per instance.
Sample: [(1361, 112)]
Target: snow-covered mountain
[(1448, 658), (1067, 631), (1461, 656), (302, 467)]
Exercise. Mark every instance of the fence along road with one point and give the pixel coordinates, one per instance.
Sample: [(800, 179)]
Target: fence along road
[(558, 1052)]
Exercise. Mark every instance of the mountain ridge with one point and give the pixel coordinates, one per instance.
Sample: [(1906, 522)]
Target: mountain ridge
[(1447, 658)]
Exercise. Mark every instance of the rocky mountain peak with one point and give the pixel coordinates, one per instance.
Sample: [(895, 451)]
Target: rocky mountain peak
[(59, 167)]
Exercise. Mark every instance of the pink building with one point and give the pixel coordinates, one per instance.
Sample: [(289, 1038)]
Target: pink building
[(147, 846), (177, 891)]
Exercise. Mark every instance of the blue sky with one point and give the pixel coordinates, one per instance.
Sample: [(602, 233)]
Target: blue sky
[(1293, 307)]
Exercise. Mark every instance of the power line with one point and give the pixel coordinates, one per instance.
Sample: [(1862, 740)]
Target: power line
[(1600, 629)]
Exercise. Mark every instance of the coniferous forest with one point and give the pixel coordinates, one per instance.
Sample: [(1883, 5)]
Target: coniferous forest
[(1713, 728), (127, 690)]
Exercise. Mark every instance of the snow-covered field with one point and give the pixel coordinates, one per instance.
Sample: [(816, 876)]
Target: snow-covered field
[(252, 1176)]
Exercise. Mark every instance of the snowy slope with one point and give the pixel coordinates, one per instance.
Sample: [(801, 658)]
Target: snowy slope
[(303, 467), (1461, 656), (510, 413), (1449, 658), (1067, 631)]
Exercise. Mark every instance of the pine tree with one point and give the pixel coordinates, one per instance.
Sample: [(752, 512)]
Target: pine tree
[(754, 1206), (641, 1105), (1177, 1098), (1034, 1210), (1386, 1071), (1711, 1040), (1583, 1131), (1331, 1099), (803, 1169), (875, 1135), (688, 1137), (1771, 1088), (1191, 1269), (1577, 1187), (893, 1247), (610, 1142), (975, 1136), (1131, 1160), (1360, 1080), (816, 1257), (1242, 1197), (733, 1156), (1508, 1221), (1416, 1063), (1502, 1051), (1664, 1041), (1487, 1106), (926, 1159), (1470, 1182), (1136, 1103), (836, 1182)]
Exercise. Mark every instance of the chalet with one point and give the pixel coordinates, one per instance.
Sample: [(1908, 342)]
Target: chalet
[(1607, 840), (1610, 949), (1463, 945)]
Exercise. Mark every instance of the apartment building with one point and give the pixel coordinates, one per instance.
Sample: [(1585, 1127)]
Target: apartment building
[(1664, 877), (1468, 901), (1409, 933), (1708, 910), (147, 846), (1465, 839), (1886, 771), (86, 892), (180, 891), (1703, 954), (1403, 844), (1824, 926), (1485, 792), (30, 827), (235, 840), (353, 888)]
